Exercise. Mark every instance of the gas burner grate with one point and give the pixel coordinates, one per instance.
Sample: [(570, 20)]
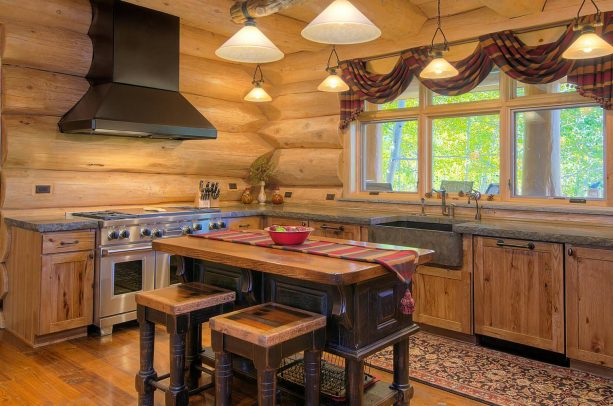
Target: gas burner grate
[(105, 215)]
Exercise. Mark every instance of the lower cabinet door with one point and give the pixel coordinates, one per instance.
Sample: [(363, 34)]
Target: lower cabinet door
[(66, 291), (519, 292), (589, 305)]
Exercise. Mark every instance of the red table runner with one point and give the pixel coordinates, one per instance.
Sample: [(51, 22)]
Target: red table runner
[(401, 262)]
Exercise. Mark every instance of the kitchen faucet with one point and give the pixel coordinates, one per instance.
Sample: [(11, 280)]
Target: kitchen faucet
[(475, 195), (445, 210)]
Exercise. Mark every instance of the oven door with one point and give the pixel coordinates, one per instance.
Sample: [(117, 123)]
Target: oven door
[(124, 271), (166, 268)]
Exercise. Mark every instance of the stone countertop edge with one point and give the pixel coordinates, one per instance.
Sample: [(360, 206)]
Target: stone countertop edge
[(51, 225), (580, 235)]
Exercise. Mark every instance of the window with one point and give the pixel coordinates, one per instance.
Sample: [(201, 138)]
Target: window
[(560, 153), (390, 162), (408, 99), (466, 149), (523, 89), (489, 89)]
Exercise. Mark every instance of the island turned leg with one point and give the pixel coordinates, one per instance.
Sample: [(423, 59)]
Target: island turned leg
[(401, 372), (312, 377), (146, 372), (355, 381)]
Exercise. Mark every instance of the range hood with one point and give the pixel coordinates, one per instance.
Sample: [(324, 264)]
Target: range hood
[(134, 78)]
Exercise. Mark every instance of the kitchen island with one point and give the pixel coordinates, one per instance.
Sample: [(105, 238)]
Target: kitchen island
[(360, 299)]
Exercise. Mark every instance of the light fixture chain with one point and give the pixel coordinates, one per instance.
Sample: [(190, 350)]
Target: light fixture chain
[(258, 68), (440, 29)]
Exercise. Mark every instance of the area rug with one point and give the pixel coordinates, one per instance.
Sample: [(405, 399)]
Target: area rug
[(497, 378)]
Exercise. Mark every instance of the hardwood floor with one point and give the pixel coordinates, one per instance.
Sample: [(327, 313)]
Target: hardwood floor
[(100, 371)]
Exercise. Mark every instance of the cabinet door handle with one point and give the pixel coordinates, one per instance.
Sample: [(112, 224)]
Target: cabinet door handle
[(65, 243), (339, 228), (570, 252), (528, 246)]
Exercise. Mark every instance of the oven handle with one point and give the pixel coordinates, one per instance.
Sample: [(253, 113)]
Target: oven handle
[(108, 251)]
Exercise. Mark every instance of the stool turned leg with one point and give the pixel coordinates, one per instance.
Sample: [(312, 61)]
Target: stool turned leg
[(223, 378), (312, 376), (192, 356), (177, 394), (267, 387), (146, 372)]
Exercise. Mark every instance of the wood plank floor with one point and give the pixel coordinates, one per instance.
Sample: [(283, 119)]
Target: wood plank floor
[(100, 371)]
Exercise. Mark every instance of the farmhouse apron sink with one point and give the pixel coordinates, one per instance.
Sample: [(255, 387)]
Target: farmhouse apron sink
[(439, 237)]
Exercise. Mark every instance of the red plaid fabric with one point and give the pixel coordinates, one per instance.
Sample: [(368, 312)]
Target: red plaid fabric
[(400, 262), (528, 64)]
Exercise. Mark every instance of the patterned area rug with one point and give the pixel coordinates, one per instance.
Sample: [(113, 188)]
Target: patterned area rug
[(497, 378)]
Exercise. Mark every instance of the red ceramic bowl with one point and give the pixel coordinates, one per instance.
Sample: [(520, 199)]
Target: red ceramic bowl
[(290, 237)]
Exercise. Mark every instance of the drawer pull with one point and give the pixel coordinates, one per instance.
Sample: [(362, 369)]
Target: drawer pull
[(529, 246), (570, 252), (243, 225), (66, 243), (339, 228)]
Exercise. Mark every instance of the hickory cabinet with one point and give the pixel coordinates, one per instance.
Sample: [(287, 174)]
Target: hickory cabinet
[(519, 291), (51, 275), (325, 229), (589, 304)]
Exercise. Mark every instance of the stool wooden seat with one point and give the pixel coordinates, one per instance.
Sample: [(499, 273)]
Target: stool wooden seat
[(182, 309), (265, 334)]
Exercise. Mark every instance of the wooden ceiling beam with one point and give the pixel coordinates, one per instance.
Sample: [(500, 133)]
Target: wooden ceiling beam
[(514, 8), (258, 8), (395, 18), (214, 16)]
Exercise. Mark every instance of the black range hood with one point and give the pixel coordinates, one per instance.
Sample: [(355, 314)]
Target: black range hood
[(134, 78)]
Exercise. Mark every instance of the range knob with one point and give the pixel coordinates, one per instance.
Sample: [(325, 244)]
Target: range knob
[(210, 226), (215, 226), (145, 232), (158, 233), (187, 230), (113, 235), (197, 227), (123, 234), (222, 224)]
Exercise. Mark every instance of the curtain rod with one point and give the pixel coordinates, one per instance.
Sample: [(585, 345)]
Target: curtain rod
[(473, 39)]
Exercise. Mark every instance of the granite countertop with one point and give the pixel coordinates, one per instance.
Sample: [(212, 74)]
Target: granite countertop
[(49, 224), (601, 236), (528, 230)]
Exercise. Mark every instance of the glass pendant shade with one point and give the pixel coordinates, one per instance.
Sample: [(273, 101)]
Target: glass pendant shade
[(438, 68), (249, 45), (341, 23), (258, 95), (333, 83), (588, 45)]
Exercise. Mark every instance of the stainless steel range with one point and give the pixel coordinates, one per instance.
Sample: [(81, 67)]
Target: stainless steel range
[(126, 262)]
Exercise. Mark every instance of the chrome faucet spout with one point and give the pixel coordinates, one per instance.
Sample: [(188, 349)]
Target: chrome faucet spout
[(444, 207), (476, 196)]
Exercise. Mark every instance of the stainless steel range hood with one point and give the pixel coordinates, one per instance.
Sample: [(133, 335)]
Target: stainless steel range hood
[(134, 78)]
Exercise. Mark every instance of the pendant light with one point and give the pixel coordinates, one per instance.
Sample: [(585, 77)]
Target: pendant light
[(333, 83), (249, 45), (258, 94), (341, 23), (438, 68), (589, 44)]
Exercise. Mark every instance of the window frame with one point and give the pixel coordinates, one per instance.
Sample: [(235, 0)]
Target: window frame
[(505, 106)]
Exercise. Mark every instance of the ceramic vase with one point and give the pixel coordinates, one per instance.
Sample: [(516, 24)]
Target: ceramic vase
[(262, 194)]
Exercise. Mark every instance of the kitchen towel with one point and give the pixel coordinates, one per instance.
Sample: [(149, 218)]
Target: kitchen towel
[(401, 262)]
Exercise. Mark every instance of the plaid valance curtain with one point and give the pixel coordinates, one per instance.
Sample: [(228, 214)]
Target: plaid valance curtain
[(528, 64)]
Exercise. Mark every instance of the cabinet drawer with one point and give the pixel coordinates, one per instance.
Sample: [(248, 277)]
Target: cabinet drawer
[(244, 223), (68, 241), (336, 230), (285, 221)]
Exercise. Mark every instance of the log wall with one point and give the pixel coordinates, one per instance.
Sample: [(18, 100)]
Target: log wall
[(46, 54)]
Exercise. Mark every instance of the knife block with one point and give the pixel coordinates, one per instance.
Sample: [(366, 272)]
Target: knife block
[(202, 204)]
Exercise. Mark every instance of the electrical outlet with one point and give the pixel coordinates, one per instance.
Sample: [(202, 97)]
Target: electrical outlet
[(232, 186), (40, 189), (287, 195), (330, 196)]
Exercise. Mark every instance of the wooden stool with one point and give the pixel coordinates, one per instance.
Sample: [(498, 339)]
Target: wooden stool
[(182, 309), (266, 334)]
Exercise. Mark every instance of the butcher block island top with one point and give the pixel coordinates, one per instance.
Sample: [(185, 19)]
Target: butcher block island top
[(308, 267)]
